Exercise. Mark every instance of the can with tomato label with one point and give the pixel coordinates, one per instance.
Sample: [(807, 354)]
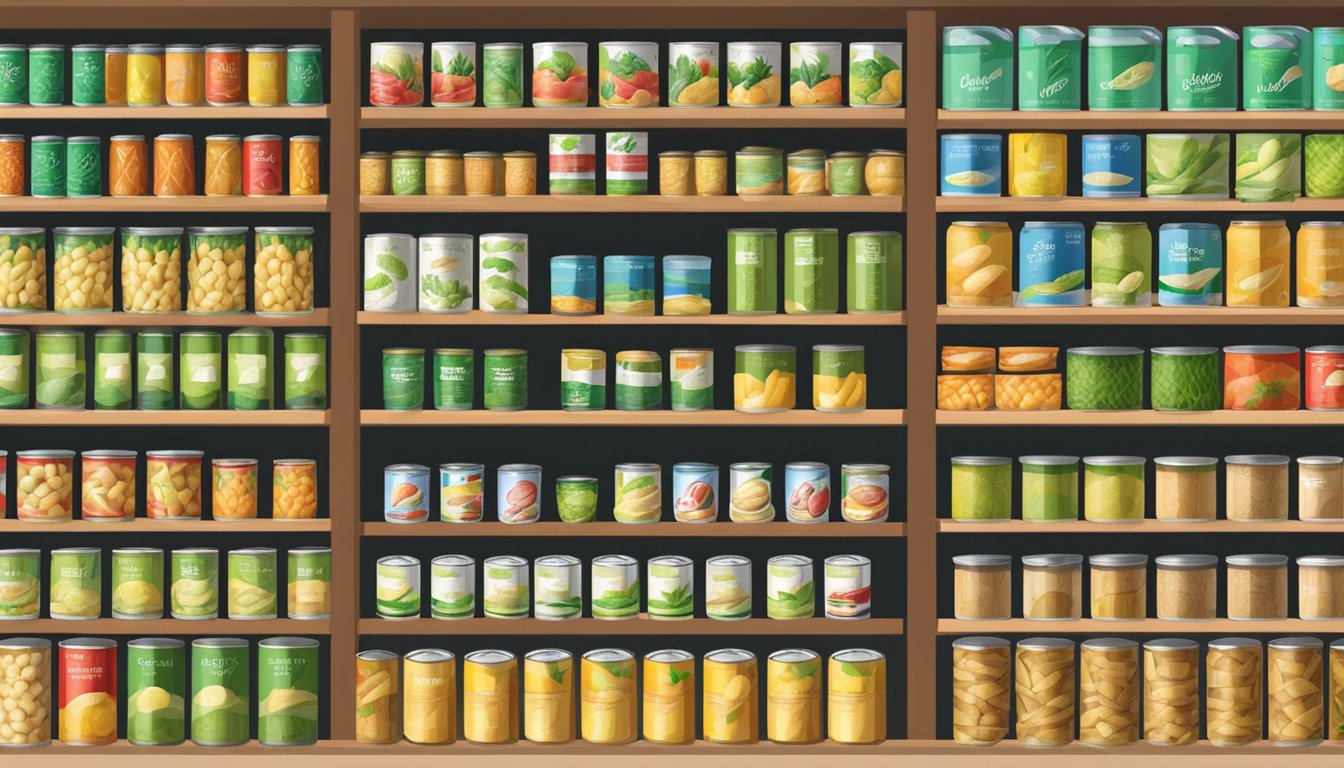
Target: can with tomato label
[(224, 75), (406, 493), (867, 492), (261, 165), (809, 489), (396, 74), (848, 587), (1325, 378), (87, 687), (695, 492), (1261, 377), (519, 497)]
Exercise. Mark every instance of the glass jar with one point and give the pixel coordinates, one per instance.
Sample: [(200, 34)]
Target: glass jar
[(108, 487), (1113, 489), (1337, 690), (1187, 488), (982, 587), (1108, 689), (1049, 488), (223, 165), (1257, 487), (520, 173), (445, 173), (173, 485), (144, 75), (1320, 587), (44, 481), (1045, 695), (83, 269), (233, 489), (151, 269), (374, 176), (1187, 587), (1257, 587), (217, 270), (1233, 691), (283, 271), (711, 172), (1052, 587), (1119, 586), (980, 693), (1320, 488), (27, 713), (1171, 692), (294, 489), (483, 173), (982, 488), (1296, 681)]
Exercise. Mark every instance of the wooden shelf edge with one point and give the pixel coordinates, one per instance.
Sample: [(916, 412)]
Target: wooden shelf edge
[(143, 525), (168, 626), (1136, 316), (658, 418), (1146, 418), (833, 529), (643, 626), (1069, 206), (201, 112), (1287, 120), (1099, 627), (661, 117), (477, 317), (1145, 526), (544, 203), (177, 418), (149, 204), (318, 319)]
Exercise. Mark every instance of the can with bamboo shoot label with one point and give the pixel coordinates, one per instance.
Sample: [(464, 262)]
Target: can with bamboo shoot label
[(811, 271), (377, 697), (20, 582), (639, 493), (558, 587), (156, 682), (452, 587), (1112, 165), (76, 583), (287, 687), (221, 691), (505, 592), (137, 583), (669, 697), (253, 585), (731, 708), (309, 583), (691, 379), (671, 585), (194, 579), (790, 592), (445, 273), (1320, 264), (397, 581), (87, 686), (728, 587), (753, 256)]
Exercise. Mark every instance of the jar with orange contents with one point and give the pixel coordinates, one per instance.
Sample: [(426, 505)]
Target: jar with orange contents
[(114, 74), (294, 489), (174, 165), (235, 489), (223, 165), (173, 484), (184, 75), (266, 75), (108, 488), (11, 165), (127, 166), (304, 164), (144, 76)]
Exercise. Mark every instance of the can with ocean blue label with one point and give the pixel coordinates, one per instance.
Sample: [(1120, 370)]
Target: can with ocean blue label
[(1112, 165), (1051, 263), (1190, 265), (972, 164)]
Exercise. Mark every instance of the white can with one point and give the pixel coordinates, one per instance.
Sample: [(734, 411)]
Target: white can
[(871, 79), (503, 272), (552, 84), (750, 490), (639, 493), (615, 587), (693, 74), (849, 587), (559, 587), (633, 80), (445, 273), (812, 67), (728, 588), (453, 74), (389, 284), (627, 163), (396, 74), (671, 585), (505, 590), (754, 74), (790, 591), (452, 587)]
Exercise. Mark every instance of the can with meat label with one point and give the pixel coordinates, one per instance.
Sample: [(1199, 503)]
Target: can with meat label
[(808, 484), (445, 273), (519, 498), (461, 491), (866, 492), (87, 688), (452, 587), (848, 587), (406, 493), (695, 492), (749, 493)]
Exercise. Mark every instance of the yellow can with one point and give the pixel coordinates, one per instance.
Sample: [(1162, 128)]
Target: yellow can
[(445, 173), (1320, 264), (730, 696), (608, 693), (520, 173), (429, 696), (374, 178), (1257, 264), (184, 76), (1037, 164), (305, 165), (114, 74), (793, 697), (979, 264), (266, 75), (144, 76), (856, 701), (377, 698), (490, 697), (676, 173), (548, 696), (484, 174), (711, 172), (884, 173), (669, 697)]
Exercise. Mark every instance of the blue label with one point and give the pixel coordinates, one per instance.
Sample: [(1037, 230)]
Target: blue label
[(972, 165), (574, 277), (1112, 166), (1190, 265), (1051, 264)]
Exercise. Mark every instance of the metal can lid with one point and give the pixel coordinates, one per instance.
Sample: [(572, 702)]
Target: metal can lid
[(1044, 644), (24, 643), (1184, 351), (865, 469), (1320, 460), (771, 348), (1258, 460), (615, 560), (309, 551), (506, 561), (1052, 561), (557, 561), (1047, 461), (174, 455), (490, 656), (288, 642), (857, 655), (1118, 560), (796, 561), (136, 551), (153, 231), (519, 468), (980, 461), (1327, 349), (794, 656), (1321, 561), (1171, 644), (575, 479), (454, 560), (669, 656), (730, 656), (430, 656), (1257, 561), (1186, 461), (376, 656), (88, 642), (1296, 644), (253, 552), (803, 466), (1233, 643), (980, 643), (983, 561), (548, 655), (109, 454), (608, 655), (1109, 644), (156, 642), (1261, 349), (1190, 225), (505, 352), (1105, 351), (728, 561), (400, 561), (219, 642), (674, 561), (848, 560), (1185, 562), (1114, 461), (837, 348), (972, 137)]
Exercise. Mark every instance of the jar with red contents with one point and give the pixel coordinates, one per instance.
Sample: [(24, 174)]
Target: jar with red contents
[(261, 165), (224, 75), (1325, 378)]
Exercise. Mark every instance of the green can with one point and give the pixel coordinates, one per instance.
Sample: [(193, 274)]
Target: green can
[(156, 680), (839, 378), (305, 371), (153, 371), (252, 583), (287, 684), (250, 386), (303, 75), (13, 368), (137, 583), (639, 380), (977, 68), (46, 166), (691, 379), (765, 378), (753, 256), (1327, 78), (505, 379), (83, 167), (844, 173), (199, 369), (309, 571), (60, 369), (403, 379), (195, 584), (811, 271), (1276, 64), (21, 573), (88, 81), (583, 379), (759, 171), (1201, 69), (112, 370), (454, 379), (576, 498), (46, 75), (221, 691), (13, 75), (502, 75), (873, 272), (408, 172), (76, 583), (1124, 68), (1050, 68)]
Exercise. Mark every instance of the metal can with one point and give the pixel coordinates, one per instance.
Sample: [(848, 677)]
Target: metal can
[(503, 272), (398, 587), (184, 75), (377, 698), (454, 379), (445, 273), (873, 273), (607, 694), (1112, 165), (806, 172), (809, 491), (615, 587), (137, 583), (1201, 69), (403, 379), (573, 285), (695, 492), (856, 699), (408, 172), (156, 684), (1190, 265), (305, 371), (261, 165), (749, 492), (765, 58), (558, 591), (108, 489), (194, 584), (21, 586), (1277, 68), (288, 678), (1258, 264), (709, 177), (698, 89), (45, 489), (175, 166), (1050, 75), (519, 493), (686, 281), (848, 587), (576, 498), (14, 83), (174, 485), (199, 370), (671, 585), (548, 696), (765, 378), (977, 68), (639, 380), (979, 264), (728, 587), (266, 75), (1037, 164), (1261, 377), (452, 587), (1124, 68), (445, 173), (628, 285), (60, 380), (731, 708), (31, 727), (753, 258), (1051, 263), (758, 171), (971, 164), (253, 584), (490, 697), (429, 696), (793, 697), (572, 164), (1320, 264), (396, 74), (669, 697), (505, 379), (46, 166), (866, 492), (691, 379), (305, 169), (76, 583), (812, 271), (627, 163), (83, 167), (839, 381), (154, 375), (14, 365), (483, 174), (224, 75), (309, 590), (221, 691), (1122, 264), (294, 489), (46, 75), (303, 75), (461, 490), (789, 587), (845, 173), (127, 166), (374, 172), (505, 590), (87, 691), (1325, 378), (676, 174), (502, 75), (454, 77), (883, 174), (406, 493), (639, 493), (13, 168), (583, 379), (636, 84)]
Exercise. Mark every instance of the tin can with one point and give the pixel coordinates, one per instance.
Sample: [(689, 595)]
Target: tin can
[(303, 75), (253, 585), (628, 285), (505, 591), (1320, 264), (636, 84), (262, 165), (977, 68), (573, 285), (266, 75), (695, 492), (607, 695), (83, 167), (1050, 62), (223, 166), (1168, 176), (60, 370), (490, 697), (154, 375), (806, 172), (1122, 264), (13, 167), (502, 75), (305, 169), (374, 173), (453, 83), (1277, 66), (224, 75), (503, 272), (671, 587), (708, 179), (294, 489), (883, 173), (112, 370), (76, 583), (759, 171), (856, 699), (615, 587), (184, 75), (461, 490), (127, 166), (445, 173), (483, 174), (1258, 263), (1124, 68), (1201, 68), (875, 74), (454, 379), (677, 174), (87, 691), (1037, 164), (1261, 377), (1112, 165), (21, 585), (403, 379), (839, 382), (1328, 46), (408, 172), (866, 492), (173, 480), (88, 83), (137, 583), (14, 365), (812, 271), (669, 697), (305, 371), (765, 378), (309, 583), (1190, 265), (728, 587), (789, 587), (559, 587), (33, 728), (175, 165), (639, 493), (46, 166), (696, 89), (389, 285), (749, 493), (731, 708), (377, 697), (753, 260), (873, 272), (429, 696), (691, 379), (519, 493), (406, 493), (398, 587), (639, 381), (1051, 263), (452, 587), (793, 697), (627, 163), (199, 370), (46, 76), (1325, 378), (583, 379), (46, 494), (845, 173), (221, 691), (194, 579), (14, 74), (396, 74), (576, 498), (505, 379), (971, 164), (573, 164), (765, 59), (445, 273), (809, 491), (816, 65), (287, 685), (848, 587), (156, 683)]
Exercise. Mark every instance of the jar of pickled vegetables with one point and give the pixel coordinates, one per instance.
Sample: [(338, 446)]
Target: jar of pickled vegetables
[(44, 483), (26, 710), (1171, 692), (1108, 691), (1257, 587), (1045, 692), (1187, 587), (982, 488), (1234, 691), (108, 490), (982, 587), (1113, 489), (1257, 487), (304, 165), (283, 274), (144, 75), (174, 165), (1049, 488), (151, 269), (173, 485), (13, 175), (83, 269), (266, 75), (1119, 586), (730, 702), (445, 173), (1294, 690), (234, 484), (223, 165), (981, 695), (23, 269), (216, 270), (127, 166), (184, 75), (294, 489), (676, 173), (373, 173), (1337, 691), (1187, 488), (1320, 488)]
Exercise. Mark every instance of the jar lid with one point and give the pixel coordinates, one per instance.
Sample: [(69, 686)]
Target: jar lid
[(1296, 644), (1325, 349), (1232, 643), (1171, 644), (1320, 460), (1257, 459), (983, 561), (1105, 351), (1184, 351), (1114, 461), (981, 643), (1182, 562), (980, 461), (1257, 561), (1321, 561), (1186, 461), (1118, 560), (1109, 644), (1051, 561), (1261, 349), (1044, 644), (1048, 461)]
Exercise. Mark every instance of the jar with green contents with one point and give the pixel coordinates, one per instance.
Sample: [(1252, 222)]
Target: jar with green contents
[(199, 368), (753, 256), (454, 379), (811, 271), (502, 74), (60, 369), (112, 370), (13, 368), (982, 488), (1122, 264), (154, 370), (250, 374), (759, 171), (505, 379), (576, 498), (1124, 68), (408, 172), (403, 379), (873, 272), (639, 380), (1186, 379), (305, 371), (1113, 489), (1049, 488), (1104, 378), (844, 173)]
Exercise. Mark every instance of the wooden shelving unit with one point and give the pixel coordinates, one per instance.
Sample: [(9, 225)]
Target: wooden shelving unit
[(638, 626), (93, 418), (721, 529), (1154, 315), (142, 525), (1144, 122), (115, 112), (662, 117), (149, 627), (1107, 628), (197, 204), (629, 204), (1075, 527), (318, 319), (1079, 205), (477, 317), (663, 418), (1140, 418)]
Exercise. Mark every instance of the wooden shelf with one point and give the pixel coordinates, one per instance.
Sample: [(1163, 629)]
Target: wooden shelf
[(1139, 418), (721, 529), (661, 117), (1151, 121), (167, 626), (95, 418), (1073, 206), (148, 204), (1144, 526), (204, 112), (1143, 627), (629, 204), (642, 625), (144, 525), (318, 319), (477, 317), (613, 418), (1137, 316)]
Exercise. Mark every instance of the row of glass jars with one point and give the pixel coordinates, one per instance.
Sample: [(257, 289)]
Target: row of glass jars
[(1187, 587), (1256, 488), (1240, 683)]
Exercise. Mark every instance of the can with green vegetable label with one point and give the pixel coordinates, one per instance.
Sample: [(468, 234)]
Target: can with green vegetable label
[(88, 79), (875, 74), (503, 272), (572, 164), (691, 379), (199, 370), (811, 271), (20, 582), (977, 68), (505, 379), (389, 285), (1122, 264), (753, 256), (46, 75), (639, 380), (1186, 379), (83, 167), (1104, 378), (253, 589), (111, 370), (137, 583), (576, 498), (844, 173), (250, 385), (408, 172), (454, 379), (1050, 64), (156, 679), (403, 379), (445, 273), (1328, 73), (452, 587), (287, 688), (60, 369), (309, 570), (873, 272), (305, 371), (1276, 63), (1201, 68), (14, 369), (1190, 166), (1124, 68), (759, 171), (46, 166), (502, 75), (1323, 162), (583, 379), (194, 576), (76, 583), (153, 371), (220, 691)]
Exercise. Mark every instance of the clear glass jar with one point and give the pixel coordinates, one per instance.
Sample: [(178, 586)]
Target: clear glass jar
[(1113, 489), (1052, 587), (1257, 487), (1119, 586), (1337, 690), (1108, 688), (1049, 488), (1045, 692), (1171, 692), (1257, 587), (1187, 587), (1295, 684), (1233, 691), (982, 587), (1320, 587), (26, 712), (1320, 488), (982, 488), (1187, 488), (980, 693)]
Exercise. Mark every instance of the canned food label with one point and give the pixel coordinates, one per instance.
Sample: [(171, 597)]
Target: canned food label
[(20, 584), (156, 677), (252, 586), (506, 593), (749, 500), (695, 494), (398, 589), (519, 496), (195, 585), (809, 490), (454, 379), (692, 380), (452, 591), (388, 283), (671, 590), (287, 684), (867, 496), (728, 592), (505, 381), (583, 386), (137, 584), (445, 274), (639, 495), (309, 584), (461, 492), (790, 591), (849, 590), (407, 498), (221, 694), (615, 590), (88, 695)]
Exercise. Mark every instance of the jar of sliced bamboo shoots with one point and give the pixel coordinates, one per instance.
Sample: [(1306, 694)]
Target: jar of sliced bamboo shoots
[(1320, 488), (1044, 687), (1233, 695), (982, 587), (1320, 587), (1119, 586), (1294, 689), (1052, 587), (1337, 690), (1257, 487), (980, 694), (1187, 488), (1187, 587), (1171, 692), (1257, 587), (1108, 690)]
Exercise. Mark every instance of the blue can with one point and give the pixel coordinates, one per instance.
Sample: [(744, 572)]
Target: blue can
[(1190, 265), (695, 492), (573, 285), (972, 164), (1051, 258), (406, 493), (686, 285), (1112, 165), (627, 285), (808, 485)]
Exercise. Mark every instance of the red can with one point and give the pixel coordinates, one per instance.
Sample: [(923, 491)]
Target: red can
[(261, 165), (1325, 378), (87, 684), (224, 75)]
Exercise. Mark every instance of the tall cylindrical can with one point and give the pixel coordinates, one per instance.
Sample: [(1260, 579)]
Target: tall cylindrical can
[(224, 75), (137, 583), (505, 588), (691, 379), (1324, 375), (574, 284), (262, 171), (793, 697), (389, 284), (309, 590), (557, 592), (429, 696), (453, 81), (1112, 165), (403, 379), (865, 492), (14, 366), (14, 74), (21, 574), (808, 488), (728, 587), (305, 371), (856, 699), (88, 84), (397, 581), (639, 493), (46, 76), (32, 726), (1202, 69), (83, 167), (615, 587), (76, 583), (503, 272), (749, 492), (377, 697), (223, 166), (303, 75), (452, 587), (1190, 264), (627, 163), (406, 493), (266, 75), (221, 691), (639, 380), (583, 379), (669, 697), (1320, 264), (811, 271), (573, 164), (194, 583), (971, 164), (790, 591), (519, 489), (1050, 68), (408, 172), (873, 276), (505, 380), (144, 75), (695, 492), (287, 688), (839, 380), (753, 257), (46, 166), (461, 490), (454, 379), (13, 166), (184, 75), (174, 165), (490, 697), (731, 704), (607, 693), (253, 584), (128, 166), (671, 586), (848, 587), (445, 273), (156, 684), (1051, 263), (87, 691)]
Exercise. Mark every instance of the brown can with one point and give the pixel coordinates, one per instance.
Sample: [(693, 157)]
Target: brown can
[(484, 174), (128, 166), (429, 696), (443, 173), (676, 173), (223, 165), (711, 172), (305, 165), (373, 174), (174, 165), (520, 173), (377, 698)]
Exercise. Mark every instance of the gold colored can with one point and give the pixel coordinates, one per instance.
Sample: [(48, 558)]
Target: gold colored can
[(429, 696), (128, 166), (548, 696), (979, 264), (884, 173), (856, 701), (266, 75), (184, 75), (1320, 264), (377, 698), (444, 173), (223, 165), (1257, 263), (608, 693), (114, 74), (793, 697), (711, 172), (730, 696), (669, 697), (490, 697), (305, 165), (1037, 164), (374, 176), (520, 173), (484, 174), (676, 173)]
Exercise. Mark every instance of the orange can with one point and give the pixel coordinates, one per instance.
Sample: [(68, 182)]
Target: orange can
[(128, 166), (114, 74), (174, 165), (304, 152), (224, 75), (223, 165), (184, 75), (11, 165)]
